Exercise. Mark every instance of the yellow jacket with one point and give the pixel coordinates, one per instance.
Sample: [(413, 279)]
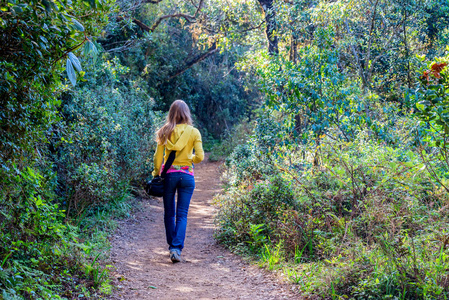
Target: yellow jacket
[(183, 140)]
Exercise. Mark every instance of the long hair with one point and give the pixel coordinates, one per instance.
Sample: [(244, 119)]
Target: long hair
[(179, 113)]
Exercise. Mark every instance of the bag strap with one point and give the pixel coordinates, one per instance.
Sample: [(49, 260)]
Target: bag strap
[(170, 160)]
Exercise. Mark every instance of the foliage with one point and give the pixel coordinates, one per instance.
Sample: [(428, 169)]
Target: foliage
[(364, 205), (432, 99), (313, 90), (365, 177), (230, 140), (106, 139), (177, 61), (41, 255), (77, 129), (342, 178), (263, 205), (432, 109), (37, 36)]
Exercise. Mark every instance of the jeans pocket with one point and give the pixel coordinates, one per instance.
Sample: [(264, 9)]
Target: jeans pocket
[(188, 181)]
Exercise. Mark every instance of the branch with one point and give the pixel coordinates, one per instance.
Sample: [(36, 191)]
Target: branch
[(190, 19), (67, 51), (145, 27), (195, 60), (388, 42), (198, 9), (252, 28), (272, 27), (370, 40), (356, 56), (126, 46), (142, 26)]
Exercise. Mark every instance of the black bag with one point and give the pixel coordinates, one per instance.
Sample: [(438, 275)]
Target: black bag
[(155, 187)]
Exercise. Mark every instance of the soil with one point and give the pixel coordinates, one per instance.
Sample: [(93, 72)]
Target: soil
[(143, 269)]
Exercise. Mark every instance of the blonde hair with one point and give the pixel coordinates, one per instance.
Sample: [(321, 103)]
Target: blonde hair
[(179, 113)]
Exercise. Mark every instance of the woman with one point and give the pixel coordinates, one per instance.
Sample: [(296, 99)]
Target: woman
[(178, 135)]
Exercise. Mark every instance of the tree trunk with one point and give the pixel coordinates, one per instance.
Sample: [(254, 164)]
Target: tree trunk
[(293, 48), (270, 20)]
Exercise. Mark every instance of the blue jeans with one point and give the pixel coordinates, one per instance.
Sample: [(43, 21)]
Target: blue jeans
[(175, 214)]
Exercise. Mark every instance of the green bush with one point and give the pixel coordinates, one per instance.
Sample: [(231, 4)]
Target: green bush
[(230, 140), (39, 253), (105, 141), (68, 154), (364, 205), (250, 212)]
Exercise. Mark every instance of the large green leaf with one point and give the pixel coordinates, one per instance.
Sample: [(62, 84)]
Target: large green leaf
[(90, 49), (75, 62), (71, 74), (78, 25)]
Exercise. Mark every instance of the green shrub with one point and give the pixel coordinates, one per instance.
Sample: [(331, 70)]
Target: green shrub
[(106, 140), (341, 222), (250, 214), (230, 140)]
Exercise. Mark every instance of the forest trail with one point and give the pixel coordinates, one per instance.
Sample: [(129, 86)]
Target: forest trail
[(208, 271)]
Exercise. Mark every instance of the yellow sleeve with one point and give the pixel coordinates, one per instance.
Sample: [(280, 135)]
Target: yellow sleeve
[(198, 146), (158, 159)]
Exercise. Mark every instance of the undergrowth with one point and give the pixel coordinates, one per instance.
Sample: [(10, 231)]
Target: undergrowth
[(72, 266), (351, 219), (342, 189), (57, 213), (229, 140)]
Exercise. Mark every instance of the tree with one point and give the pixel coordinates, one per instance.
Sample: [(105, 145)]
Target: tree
[(271, 25), (40, 40)]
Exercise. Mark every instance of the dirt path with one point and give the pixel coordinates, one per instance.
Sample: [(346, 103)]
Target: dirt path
[(208, 271)]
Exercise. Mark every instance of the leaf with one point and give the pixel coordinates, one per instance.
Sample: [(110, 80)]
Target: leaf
[(94, 49), (55, 7), (152, 287), (89, 48), (17, 9), (39, 202), (71, 72), (86, 48), (75, 62), (4, 260), (78, 25), (47, 5), (62, 17), (438, 67), (92, 3)]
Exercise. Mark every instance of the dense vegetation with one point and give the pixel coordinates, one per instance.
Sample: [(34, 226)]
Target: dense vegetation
[(78, 116), (342, 184), (332, 118)]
